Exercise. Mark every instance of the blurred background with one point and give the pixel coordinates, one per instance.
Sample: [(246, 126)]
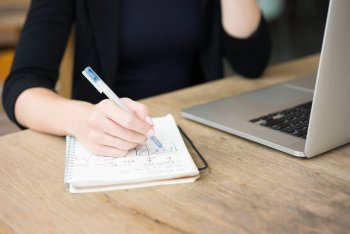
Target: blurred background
[(296, 28)]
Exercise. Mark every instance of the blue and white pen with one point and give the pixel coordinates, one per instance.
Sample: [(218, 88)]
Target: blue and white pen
[(101, 86)]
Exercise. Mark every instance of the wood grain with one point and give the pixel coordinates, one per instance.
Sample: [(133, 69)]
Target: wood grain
[(248, 188)]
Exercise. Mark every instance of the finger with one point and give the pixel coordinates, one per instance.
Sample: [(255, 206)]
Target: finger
[(108, 140), (110, 127), (99, 121), (138, 108), (125, 119)]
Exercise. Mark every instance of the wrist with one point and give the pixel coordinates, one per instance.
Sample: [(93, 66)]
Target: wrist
[(79, 114)]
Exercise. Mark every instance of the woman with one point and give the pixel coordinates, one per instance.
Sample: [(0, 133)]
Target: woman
[(140, 48)]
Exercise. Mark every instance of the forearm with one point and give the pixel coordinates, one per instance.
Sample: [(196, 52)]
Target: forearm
[(104, 128), (43, 110), (240, 18)]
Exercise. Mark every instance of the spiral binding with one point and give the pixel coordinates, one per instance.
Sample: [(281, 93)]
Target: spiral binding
[(69, 163)]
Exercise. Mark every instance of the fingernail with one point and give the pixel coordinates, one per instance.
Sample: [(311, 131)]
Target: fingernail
[(149, 120), (150, 132)]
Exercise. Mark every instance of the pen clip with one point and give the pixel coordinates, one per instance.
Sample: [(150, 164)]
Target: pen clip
[(93, 78)]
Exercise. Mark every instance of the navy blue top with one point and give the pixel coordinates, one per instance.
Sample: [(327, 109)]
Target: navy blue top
[(159, 46)]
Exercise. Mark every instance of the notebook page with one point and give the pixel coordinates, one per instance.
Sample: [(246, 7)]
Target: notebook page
[(144, 163)]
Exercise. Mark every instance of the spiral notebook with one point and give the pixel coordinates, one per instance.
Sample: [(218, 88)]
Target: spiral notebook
[(143, 166)]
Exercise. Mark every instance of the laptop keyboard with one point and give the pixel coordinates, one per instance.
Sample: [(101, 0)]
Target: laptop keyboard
[(294, 121)]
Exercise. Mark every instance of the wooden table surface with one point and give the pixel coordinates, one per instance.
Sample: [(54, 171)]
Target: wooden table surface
[(248, 188)]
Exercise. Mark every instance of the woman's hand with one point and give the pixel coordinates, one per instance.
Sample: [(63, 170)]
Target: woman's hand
[(106, 129)]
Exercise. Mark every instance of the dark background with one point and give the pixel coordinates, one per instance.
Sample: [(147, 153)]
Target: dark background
[(298, 31)]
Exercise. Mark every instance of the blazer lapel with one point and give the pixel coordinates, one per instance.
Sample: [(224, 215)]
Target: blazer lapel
[(105, 24)]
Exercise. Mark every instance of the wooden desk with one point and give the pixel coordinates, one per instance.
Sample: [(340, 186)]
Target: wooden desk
[(248, 188)]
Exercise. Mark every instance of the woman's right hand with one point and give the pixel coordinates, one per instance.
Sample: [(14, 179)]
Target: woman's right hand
[(106, 129)]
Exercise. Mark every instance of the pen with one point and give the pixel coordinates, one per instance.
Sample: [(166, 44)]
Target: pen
[(101, 86)]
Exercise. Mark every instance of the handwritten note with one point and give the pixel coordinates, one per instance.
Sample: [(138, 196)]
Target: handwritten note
[(142, 163), (145, 159)]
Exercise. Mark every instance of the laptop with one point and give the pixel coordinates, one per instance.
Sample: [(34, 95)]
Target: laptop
[(303, 117)]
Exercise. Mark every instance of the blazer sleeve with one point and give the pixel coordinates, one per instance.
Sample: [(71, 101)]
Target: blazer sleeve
[(250, 56), (39, 50)]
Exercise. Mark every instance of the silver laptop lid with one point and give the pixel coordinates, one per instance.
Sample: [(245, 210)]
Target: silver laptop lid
[(329, 125)]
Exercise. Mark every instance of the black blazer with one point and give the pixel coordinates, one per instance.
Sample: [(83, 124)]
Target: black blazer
[(44, 37)]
